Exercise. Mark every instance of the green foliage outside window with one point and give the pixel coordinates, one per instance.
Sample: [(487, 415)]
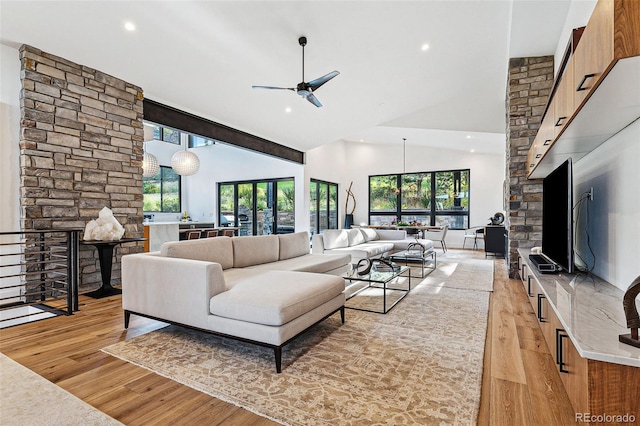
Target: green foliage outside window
[(227, 193), (256, 206), (416, 191), (286, 196), (245, 195), (383, 193), (452, 190), (161, 192)]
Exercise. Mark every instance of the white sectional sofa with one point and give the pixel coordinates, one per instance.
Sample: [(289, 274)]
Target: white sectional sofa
[(264, 289), (362, 243)]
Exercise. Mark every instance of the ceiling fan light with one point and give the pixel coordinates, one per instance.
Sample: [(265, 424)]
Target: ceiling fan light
[(150, 165), (185, 163)]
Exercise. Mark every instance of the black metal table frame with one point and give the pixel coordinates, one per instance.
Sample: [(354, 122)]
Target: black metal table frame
[(353, 276), (416, 256)]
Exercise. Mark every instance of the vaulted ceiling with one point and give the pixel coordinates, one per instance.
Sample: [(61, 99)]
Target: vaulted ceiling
[(204, 56)]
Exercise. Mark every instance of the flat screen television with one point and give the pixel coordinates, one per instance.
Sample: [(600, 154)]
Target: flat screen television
[(557, 216)]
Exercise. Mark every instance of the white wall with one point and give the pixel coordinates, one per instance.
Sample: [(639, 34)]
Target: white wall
[(344, 162), (9, 166), (330, 163), (9, 139), (614, 213)]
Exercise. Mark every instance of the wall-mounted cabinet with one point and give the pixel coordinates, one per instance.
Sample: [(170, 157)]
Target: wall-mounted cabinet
[(598, 91), (543, 140), (563, 102), (595, 52)]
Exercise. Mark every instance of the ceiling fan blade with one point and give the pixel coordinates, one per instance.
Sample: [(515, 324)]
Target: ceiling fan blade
[(273, 88), (315, 84), (312, 98)]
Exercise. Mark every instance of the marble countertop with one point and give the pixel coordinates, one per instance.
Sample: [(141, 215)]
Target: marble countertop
[(590, 310)]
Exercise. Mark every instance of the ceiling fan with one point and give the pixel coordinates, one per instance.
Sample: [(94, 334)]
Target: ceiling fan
[(305, 89)]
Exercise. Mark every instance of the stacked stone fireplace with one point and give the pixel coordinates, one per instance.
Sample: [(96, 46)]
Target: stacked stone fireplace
[(529, 84), (81, 149)]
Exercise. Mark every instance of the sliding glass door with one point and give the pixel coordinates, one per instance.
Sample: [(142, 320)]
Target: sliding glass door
[(261, 207), (323, 209)]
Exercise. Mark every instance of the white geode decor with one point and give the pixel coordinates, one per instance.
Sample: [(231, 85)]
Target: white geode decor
[(105, 228)]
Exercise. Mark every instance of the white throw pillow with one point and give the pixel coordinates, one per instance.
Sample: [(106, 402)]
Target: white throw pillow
[(355, 237), (335, 238), (369, 234)]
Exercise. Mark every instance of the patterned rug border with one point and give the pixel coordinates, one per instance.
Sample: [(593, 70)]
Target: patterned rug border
[(194, 385)]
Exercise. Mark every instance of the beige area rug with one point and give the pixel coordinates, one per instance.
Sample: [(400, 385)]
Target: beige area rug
[(463, 274), (419, 364), (29, 399)]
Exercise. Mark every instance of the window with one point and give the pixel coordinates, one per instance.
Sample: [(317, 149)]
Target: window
[(166, 134), (323, 206), (161, 193), (260, 207), (429, 198), (198, 141)]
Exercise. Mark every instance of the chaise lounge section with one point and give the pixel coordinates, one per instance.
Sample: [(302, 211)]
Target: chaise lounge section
[(265, 289)]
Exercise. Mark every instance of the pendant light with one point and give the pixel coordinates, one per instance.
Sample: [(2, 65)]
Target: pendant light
[(150, 165), (404, 155), (185, 163)]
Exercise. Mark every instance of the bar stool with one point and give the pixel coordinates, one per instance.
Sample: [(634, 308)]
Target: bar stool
[(193, 235), (212, 233)]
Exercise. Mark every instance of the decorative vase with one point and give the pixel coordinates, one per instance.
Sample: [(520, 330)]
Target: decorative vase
[(348, 221)]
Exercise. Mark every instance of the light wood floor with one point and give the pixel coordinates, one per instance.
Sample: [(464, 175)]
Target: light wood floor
[(520, 383)]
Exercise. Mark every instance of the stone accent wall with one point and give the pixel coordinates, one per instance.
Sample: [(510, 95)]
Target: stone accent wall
[(529, 84), (81, 148)]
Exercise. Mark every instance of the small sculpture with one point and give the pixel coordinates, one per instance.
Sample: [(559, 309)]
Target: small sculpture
[(352, 197), (631, 312), (105, 228), (497, 219), (348, 217)]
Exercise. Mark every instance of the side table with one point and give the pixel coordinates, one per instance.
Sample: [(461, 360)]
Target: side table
[(105, 256)]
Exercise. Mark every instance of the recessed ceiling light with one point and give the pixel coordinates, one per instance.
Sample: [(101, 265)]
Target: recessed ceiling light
[(468, 136), (425, 47), (287, 109), (473, 150), (129, 26), (361, 140)]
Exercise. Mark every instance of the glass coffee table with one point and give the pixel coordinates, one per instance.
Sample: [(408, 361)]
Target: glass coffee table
[(426, 258), (379, 280)]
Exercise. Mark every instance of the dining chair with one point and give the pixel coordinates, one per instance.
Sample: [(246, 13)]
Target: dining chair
[(475, 234), (212, 233), (437, 234), (193, 235), (228, 233)]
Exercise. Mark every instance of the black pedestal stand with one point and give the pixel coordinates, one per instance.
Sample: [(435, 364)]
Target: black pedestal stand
[(105, 256)]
